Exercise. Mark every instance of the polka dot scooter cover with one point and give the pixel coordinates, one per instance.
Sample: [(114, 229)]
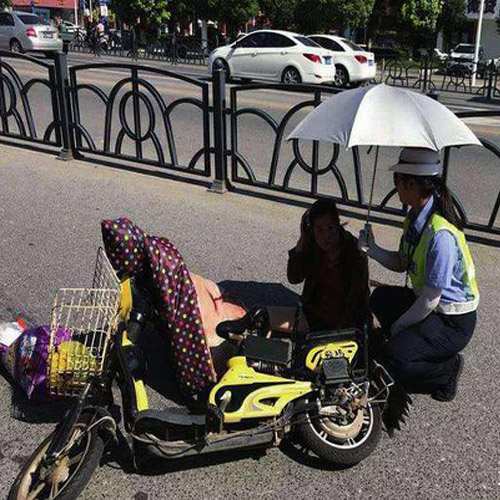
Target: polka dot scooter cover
[(131, 251)]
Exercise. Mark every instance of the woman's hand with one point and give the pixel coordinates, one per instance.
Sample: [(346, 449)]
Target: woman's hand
[(305, 233)]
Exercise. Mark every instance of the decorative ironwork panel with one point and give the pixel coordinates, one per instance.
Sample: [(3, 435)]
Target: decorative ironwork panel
[(302, 168), (133, 117), (25, 83), (265, 165)]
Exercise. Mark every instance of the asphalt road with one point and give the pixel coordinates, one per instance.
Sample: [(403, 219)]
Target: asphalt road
[(49, 218)]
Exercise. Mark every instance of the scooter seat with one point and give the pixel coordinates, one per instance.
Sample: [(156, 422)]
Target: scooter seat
[(255, 319)]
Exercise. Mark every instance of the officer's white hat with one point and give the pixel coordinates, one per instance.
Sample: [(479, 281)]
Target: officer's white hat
[(418, 161)]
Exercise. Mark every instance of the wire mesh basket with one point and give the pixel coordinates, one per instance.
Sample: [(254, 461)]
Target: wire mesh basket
[(83, 321)]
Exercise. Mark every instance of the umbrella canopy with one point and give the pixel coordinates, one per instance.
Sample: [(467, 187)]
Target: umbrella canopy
[(381, 115)]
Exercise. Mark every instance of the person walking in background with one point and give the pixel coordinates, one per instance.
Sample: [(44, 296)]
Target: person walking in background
[(100, 30)]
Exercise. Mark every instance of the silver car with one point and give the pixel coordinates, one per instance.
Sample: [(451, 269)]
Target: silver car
[(23, 31)]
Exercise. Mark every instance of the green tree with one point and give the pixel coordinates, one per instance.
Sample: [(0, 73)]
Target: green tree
[(452, 18), (385, 18), (5, 3), (325, 15), (233, 12), (141, 13), (281, 13), (183, 10), (353, 14), (310, 16), (421, 19)]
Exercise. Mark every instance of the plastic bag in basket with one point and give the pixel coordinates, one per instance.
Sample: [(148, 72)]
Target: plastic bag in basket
[(26, 360)]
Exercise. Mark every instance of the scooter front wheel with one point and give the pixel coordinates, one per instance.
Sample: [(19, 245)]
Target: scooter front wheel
[(342, 443), (66, 478)]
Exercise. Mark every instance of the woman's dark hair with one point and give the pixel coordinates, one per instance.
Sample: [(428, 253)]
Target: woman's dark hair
[(321, 207), (435, 185)]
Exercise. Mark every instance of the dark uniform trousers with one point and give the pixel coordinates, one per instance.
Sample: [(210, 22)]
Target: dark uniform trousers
[(422, 357)]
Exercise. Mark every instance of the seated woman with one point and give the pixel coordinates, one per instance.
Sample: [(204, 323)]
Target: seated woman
[(335, 274)]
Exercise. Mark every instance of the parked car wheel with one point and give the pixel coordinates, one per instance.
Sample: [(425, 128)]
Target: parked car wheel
[(220, 63), (341, 76), (291, 76), (15, 46)]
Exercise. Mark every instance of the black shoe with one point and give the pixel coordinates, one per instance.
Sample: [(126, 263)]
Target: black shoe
[(448, 393)]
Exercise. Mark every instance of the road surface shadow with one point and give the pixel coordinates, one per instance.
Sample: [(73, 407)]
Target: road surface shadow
[(298, 453), (252, 293), (121, 456), (25, 411)]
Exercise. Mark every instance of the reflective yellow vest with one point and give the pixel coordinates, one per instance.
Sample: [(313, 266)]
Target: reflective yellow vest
[(417, 268)]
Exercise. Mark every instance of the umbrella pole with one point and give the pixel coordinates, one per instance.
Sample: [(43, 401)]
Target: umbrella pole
[(363, 241), (373, 187)]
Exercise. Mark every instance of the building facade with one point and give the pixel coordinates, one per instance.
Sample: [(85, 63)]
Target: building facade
[(490, 38), (49, 9)]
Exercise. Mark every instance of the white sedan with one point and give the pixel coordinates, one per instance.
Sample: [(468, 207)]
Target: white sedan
[(279, 56), (353, 64)]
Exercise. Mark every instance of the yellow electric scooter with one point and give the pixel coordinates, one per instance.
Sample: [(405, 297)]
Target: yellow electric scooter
[(323, 385)]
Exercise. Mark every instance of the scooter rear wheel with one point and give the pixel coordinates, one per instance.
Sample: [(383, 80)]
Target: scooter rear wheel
[(344, 445), (67, 479)]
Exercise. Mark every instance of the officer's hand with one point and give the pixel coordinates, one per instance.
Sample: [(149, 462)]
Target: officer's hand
[(366, 240)]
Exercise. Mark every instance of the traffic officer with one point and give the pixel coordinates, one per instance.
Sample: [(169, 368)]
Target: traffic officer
[(428, 325)]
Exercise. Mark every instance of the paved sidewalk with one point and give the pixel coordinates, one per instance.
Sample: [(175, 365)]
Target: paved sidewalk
[(49, 219)]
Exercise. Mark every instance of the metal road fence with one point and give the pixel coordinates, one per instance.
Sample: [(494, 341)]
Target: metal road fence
[(430, 75), (129, 133), (126, 43), (234, 144), (17, 115)]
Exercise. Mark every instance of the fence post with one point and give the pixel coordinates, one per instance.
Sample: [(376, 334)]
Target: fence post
[(62, 78), (426, 66), (219, 185), (135, 50), (490, 80), (383, 71)]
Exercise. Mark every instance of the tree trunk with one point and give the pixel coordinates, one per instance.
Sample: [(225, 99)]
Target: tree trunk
[(204, 36)]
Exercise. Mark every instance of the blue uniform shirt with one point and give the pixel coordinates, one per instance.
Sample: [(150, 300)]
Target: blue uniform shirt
[(444, 264)]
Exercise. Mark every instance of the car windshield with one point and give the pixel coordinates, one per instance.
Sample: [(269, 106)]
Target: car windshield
[(351, 45), (464, 49), (306, 41), (31, 19)]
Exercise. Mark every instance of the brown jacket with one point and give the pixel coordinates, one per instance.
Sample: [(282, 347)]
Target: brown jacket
[(350, 307)]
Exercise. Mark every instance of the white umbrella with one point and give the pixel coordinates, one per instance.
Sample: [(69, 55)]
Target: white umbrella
[(381, 115)]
